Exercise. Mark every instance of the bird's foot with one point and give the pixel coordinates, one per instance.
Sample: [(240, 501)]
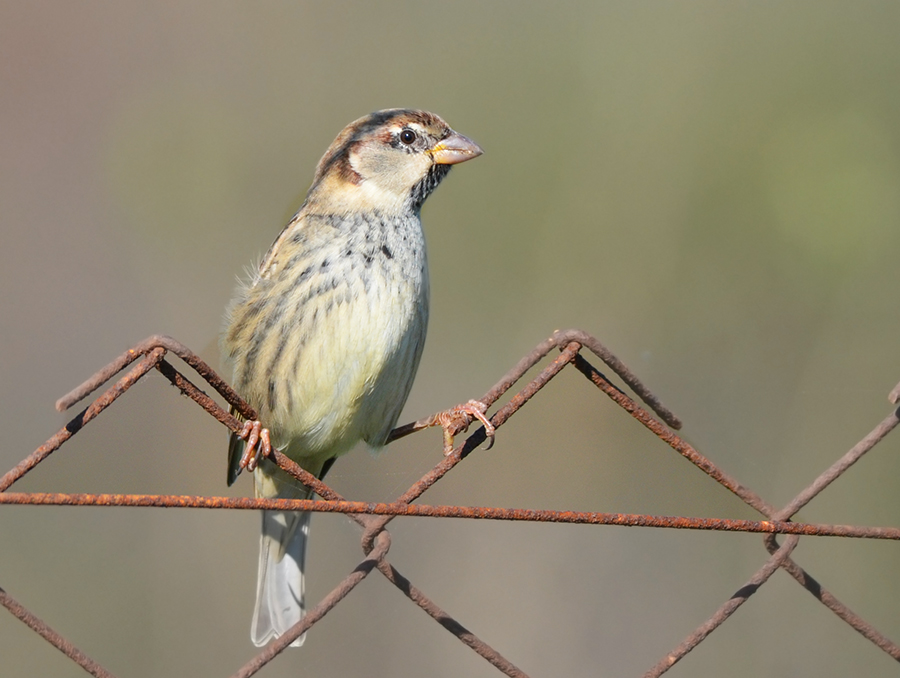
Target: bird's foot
[(457, 419), (257, 444)]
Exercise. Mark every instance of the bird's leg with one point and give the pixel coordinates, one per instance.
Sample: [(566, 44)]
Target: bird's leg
[(257, 444), (457, 419)]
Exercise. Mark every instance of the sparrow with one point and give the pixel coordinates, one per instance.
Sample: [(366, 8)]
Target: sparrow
[(326, 335)]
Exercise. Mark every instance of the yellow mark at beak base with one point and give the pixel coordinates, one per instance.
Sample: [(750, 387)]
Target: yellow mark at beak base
[(455, 149)]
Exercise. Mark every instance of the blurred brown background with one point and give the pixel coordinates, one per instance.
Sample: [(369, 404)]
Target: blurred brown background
[(713, 189)]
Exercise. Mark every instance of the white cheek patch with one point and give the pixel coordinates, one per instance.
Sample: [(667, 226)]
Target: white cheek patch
[(382, 198), (354, 162)]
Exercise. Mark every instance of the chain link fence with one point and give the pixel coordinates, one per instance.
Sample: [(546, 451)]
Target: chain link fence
[(374, 517)]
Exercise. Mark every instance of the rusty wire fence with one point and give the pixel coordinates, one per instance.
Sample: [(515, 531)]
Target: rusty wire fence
[(374, 517)]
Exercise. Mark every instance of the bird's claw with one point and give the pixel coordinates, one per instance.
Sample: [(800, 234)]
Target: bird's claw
[(257, 444), (457, 419)]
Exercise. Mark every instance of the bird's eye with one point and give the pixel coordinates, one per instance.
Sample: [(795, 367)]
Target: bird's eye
[(407, 136)]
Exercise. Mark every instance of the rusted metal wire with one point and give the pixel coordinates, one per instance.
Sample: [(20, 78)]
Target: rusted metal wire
[(146, 347), (148, 363), (467, 512), (374, 517), (337, 594), (828, 599), (806, 580), (671, 439), (52, 637), (449, 623), (853, 455), (726, 610), (564, 337), (894, 395), (781, 557)]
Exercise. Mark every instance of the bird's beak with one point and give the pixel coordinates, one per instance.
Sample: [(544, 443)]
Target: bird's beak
[(455, 148)]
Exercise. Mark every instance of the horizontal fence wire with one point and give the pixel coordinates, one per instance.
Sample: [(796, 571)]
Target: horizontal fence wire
[(374, 517)]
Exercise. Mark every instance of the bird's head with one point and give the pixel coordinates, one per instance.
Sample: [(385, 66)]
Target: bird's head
[(389, 161)]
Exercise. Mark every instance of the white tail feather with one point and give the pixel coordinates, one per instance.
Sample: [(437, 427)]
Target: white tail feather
[(280, 599)]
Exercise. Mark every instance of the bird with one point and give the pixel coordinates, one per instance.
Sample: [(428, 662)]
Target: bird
[(325, 336)]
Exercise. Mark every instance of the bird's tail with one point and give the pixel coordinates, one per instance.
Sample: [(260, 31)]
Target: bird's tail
[(279, 590)]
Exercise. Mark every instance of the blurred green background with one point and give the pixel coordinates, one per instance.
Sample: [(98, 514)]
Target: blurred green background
[(713, 189)]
